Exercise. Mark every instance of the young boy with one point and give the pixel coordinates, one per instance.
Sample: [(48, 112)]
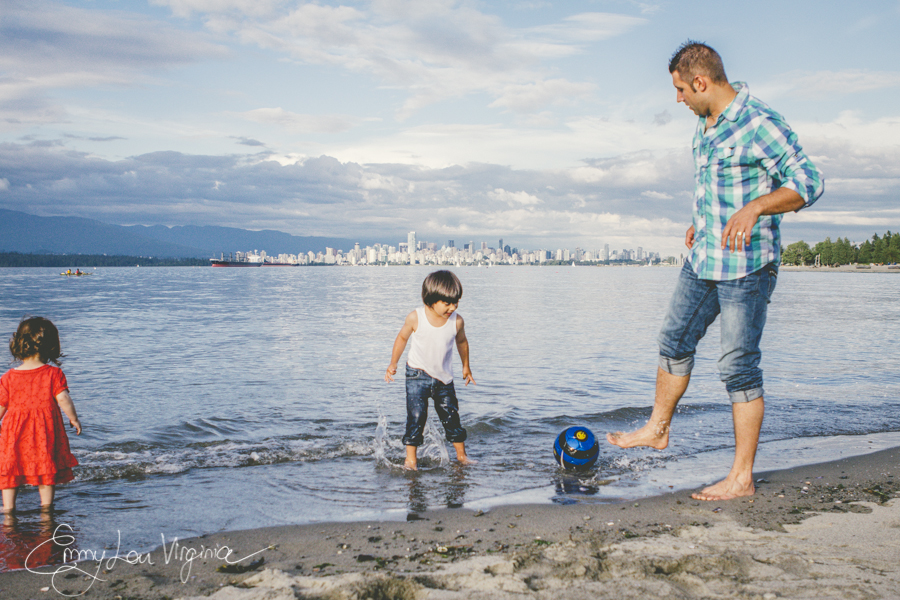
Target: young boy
[(429, 366)]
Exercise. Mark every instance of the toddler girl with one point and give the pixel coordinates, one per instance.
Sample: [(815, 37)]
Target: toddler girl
[(34, 448)]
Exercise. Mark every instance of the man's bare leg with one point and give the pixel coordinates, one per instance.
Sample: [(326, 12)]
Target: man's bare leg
[(748, 418), (655, 433)]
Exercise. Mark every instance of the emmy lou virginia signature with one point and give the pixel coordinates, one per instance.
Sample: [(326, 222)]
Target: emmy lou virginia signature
[(74, 559)]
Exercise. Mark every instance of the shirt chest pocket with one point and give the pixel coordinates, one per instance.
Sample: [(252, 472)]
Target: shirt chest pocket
[(732, 163)]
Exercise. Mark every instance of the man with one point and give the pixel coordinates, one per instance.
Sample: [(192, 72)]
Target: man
[(748, 170)]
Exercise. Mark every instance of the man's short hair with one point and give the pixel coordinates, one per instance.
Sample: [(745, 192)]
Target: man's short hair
[(696, 58), (441, 286)]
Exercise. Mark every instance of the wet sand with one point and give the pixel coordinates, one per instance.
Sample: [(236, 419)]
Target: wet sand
[(820, 531)]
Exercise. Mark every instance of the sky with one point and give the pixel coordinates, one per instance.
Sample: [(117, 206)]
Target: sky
[(547, 124)]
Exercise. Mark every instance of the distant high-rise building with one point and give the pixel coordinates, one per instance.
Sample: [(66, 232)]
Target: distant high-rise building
[(501, 244), (451, 244), (411, 244)]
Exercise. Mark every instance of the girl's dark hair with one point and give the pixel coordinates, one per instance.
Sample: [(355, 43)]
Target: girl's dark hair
[(36, 335), (441, 285)]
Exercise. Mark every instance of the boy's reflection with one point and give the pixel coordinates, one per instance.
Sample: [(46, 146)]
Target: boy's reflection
[(453, 489)]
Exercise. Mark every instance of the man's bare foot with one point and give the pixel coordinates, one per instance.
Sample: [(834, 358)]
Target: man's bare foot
[(652, 434), (410, 465), (727, 489), (465, 460)]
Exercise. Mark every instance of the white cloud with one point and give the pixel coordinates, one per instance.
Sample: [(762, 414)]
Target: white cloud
[(514, 199), (656, 195), (531, 97), (186, 8), (850, 126), (877, 220), (590, 27), (827, 84), (301, 123), (431, 49), (47, 46), (4, 184)]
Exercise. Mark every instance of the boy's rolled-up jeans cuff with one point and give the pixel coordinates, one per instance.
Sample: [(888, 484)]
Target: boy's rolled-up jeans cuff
[(680, 367), (746, 395)]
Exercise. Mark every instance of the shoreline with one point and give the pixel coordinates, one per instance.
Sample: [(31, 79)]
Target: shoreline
[(816, 531), (844, 269)]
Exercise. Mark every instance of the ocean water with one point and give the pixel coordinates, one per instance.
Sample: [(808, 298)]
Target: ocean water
[(225, 399)]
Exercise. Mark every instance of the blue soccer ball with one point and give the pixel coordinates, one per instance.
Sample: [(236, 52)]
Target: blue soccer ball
[(576, 449)]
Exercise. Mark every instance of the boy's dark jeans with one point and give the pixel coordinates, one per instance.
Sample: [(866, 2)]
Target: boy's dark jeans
[(419, 387)]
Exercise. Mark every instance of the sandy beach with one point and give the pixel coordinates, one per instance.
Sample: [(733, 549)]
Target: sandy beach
[(830, 530)]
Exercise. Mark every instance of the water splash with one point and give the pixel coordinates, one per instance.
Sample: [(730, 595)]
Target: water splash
[(434, 448)]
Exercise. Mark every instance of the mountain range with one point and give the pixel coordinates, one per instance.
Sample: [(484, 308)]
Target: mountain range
[(30, 234)]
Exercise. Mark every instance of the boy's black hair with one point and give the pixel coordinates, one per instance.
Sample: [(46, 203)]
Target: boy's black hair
[(441, 285), (36, 335)]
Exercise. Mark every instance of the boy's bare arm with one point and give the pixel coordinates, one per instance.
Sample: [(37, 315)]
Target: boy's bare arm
[(462, 346), (67, 406), (409, 326)]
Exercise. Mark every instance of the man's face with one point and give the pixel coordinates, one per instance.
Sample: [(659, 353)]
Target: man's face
[(694, 100)]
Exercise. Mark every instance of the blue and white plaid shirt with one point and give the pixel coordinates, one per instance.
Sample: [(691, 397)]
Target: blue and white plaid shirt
[(748, 153)]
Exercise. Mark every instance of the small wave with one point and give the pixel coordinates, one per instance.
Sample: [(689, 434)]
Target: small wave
[(134, 461)]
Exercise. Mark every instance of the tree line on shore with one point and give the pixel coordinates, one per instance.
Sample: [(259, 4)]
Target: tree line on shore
[(878, 250)]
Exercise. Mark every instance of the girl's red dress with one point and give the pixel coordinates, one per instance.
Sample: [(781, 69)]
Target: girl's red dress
[(34, 447)]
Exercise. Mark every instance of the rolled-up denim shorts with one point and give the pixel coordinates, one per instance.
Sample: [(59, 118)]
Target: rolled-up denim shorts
[(419, 387), (742, 304)]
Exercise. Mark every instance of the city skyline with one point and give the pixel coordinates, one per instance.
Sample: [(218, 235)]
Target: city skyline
[(428, 253)]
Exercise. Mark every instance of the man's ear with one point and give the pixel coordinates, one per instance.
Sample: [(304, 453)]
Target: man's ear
[(699, 83)]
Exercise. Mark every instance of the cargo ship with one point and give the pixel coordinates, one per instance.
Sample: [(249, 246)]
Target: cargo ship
[(242, 260)]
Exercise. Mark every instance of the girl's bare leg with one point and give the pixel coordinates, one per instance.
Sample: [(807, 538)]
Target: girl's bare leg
[(47, 493), (9, 500)]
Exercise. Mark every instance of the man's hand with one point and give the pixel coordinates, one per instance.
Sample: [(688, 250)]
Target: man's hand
[(739, 228), (689, 237), (391, 371), (467, 376)]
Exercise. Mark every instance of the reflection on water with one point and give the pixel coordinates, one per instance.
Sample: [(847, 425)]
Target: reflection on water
[(450, 485), (33, 539)]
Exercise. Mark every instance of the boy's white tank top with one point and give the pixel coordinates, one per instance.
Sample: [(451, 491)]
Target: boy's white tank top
[(431, 347)]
